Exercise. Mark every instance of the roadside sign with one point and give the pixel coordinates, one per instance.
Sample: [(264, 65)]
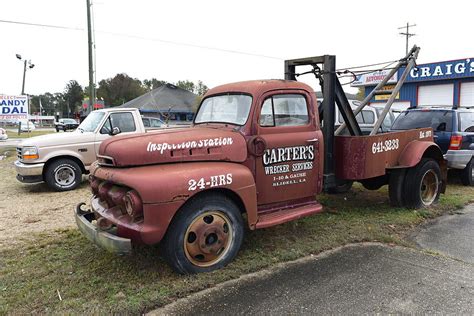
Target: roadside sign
[(13, 107)]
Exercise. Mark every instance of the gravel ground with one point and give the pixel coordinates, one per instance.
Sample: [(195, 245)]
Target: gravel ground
[(33, 208)]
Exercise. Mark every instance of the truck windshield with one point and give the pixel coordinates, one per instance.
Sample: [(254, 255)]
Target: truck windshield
[(91, 122), (441, 121), (229, 108)]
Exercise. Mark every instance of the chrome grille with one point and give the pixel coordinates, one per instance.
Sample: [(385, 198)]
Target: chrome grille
[(18, 153)]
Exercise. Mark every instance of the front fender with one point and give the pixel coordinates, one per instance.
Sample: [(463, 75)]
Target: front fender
[(161, 186)]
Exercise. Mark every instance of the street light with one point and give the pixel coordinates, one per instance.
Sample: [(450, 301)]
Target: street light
[(30, 65)]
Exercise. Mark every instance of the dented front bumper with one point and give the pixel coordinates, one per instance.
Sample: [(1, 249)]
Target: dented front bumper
[(103, 238)]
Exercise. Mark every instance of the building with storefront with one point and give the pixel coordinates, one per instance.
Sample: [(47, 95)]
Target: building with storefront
[(446, 83)]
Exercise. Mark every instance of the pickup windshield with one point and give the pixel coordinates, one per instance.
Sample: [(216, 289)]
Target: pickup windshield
[(441, 121), (229, 108), (91, 122)]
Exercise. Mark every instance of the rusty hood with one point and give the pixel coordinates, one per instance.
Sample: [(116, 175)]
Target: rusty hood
[(168, 146)]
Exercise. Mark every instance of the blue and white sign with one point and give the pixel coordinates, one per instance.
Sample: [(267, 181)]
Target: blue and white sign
[(13, 107), (373, 78), (453, 69)]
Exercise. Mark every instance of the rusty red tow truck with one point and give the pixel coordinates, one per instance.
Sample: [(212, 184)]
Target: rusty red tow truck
[(257, 155)]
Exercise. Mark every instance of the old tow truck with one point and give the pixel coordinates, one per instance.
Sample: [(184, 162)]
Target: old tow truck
[(255, 148)]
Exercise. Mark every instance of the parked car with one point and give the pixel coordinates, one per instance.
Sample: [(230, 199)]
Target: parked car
[(3, 134), (65, 124), (453, 132), (367, 118), (26, 126), (152, 122)]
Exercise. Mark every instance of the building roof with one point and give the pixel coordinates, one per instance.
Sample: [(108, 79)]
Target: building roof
[(163, 98)]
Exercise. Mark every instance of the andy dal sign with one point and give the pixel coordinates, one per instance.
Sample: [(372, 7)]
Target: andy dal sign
[(443, 70), (13, 107)]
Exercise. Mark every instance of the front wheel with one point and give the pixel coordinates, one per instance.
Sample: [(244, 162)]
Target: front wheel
[(467, 174), (63, 175), (422, 184), (205, 235)]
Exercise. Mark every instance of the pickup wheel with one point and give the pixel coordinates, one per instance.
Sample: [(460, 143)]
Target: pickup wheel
[(467, 174), (422, 184), (395, 187), (57, 130), (63, 175), (205, 235)]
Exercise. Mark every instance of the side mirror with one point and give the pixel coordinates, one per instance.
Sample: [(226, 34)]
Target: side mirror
[(115, 131)]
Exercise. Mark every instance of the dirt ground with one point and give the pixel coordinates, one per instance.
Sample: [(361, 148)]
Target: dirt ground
[(33, 208)]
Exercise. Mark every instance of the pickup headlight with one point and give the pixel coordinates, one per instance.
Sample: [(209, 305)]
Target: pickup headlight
[(29, 153)]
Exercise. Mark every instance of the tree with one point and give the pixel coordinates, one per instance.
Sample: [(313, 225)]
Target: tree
[(119, 89), (73, 96), (201, 88), (186, 85), (153, 83)]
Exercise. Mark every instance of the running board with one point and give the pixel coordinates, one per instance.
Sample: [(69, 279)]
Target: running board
[(287, 214)]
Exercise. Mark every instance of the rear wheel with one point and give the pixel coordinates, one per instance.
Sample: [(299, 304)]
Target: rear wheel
[(205, 235), (63, 175), (395, 187), (467, 174), (422, 184)]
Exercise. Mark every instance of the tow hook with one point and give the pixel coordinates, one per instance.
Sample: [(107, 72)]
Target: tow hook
[(79, 209)]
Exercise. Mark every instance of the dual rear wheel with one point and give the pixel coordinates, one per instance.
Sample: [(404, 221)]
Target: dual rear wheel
[(419, 186)]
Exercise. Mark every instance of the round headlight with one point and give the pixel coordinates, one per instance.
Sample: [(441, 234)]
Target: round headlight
[(133, 204)]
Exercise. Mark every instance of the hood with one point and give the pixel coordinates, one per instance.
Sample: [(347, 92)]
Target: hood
[(191, 144), (58, 139)]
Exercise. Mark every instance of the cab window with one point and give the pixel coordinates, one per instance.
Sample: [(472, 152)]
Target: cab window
[(124, 121), (284, 110)]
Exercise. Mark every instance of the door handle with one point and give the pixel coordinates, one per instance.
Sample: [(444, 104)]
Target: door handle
[(314, 140)]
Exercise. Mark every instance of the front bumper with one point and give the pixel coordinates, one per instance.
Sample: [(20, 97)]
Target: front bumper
[(458, 159), (105, 239), (27, 170)]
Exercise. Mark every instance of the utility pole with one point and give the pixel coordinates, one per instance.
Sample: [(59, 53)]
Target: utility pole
[(30, 66), (91, 60), (407, 34)]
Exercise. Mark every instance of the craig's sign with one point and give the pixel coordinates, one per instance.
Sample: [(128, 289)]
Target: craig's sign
[(443, 70)]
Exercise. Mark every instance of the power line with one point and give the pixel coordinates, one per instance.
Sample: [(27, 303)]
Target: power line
[(145, 38)]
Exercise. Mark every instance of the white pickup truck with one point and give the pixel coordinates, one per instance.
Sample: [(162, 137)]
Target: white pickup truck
[(60, 160)]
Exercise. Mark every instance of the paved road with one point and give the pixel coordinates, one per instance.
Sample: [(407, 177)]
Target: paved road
[(367, 278), (452, 235)]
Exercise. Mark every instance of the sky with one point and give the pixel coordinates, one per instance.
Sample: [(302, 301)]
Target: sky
[(174, 40)]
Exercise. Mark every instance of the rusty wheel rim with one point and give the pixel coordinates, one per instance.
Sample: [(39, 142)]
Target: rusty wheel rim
[(429, 187), (208, 238)]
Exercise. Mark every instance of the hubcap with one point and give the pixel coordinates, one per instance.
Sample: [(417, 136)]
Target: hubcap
[(208, 238), (429, 187), (64, 175)]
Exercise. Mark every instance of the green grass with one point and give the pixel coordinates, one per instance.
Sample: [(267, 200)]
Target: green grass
[(90, 280)]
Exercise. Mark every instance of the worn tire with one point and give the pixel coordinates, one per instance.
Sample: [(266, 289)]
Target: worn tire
[(467, 174), (220, 230), (395, 187), (63, 175), (422, 185)]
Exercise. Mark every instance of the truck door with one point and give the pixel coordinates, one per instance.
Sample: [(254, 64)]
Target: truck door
[(123, 120), (289, 168)]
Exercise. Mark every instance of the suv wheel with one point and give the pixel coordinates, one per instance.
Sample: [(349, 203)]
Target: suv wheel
[(467, 174), (63, 175)]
